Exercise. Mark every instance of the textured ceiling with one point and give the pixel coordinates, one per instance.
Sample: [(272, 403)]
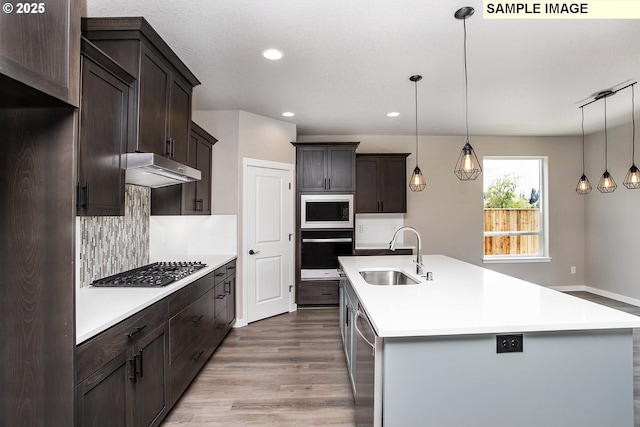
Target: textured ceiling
[(347, 64)]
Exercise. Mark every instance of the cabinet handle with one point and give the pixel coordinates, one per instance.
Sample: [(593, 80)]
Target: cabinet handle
[(195, 320), (325, 184), (167, 148), (227, 287), (136, 331), (173, 148), (133, 378), (198, 355), (141, 359), (221, 296), (329, 188), (83, 201)]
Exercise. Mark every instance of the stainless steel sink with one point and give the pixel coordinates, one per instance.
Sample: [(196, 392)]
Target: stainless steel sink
[(387, 278)]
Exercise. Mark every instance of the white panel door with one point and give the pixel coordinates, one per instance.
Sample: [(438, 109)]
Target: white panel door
[(269, 251)]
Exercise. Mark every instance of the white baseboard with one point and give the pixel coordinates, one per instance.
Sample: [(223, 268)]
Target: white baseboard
[(596, 291)]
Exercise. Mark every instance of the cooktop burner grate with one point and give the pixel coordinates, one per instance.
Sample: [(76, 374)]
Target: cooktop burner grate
[(151, 276)]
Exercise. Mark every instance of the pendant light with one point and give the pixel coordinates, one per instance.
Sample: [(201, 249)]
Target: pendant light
[(632, 180), (467, 167), (606, 183), (584, 186), (417, 183)]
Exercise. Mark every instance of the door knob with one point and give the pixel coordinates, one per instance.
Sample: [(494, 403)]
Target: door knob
[(252, 252)]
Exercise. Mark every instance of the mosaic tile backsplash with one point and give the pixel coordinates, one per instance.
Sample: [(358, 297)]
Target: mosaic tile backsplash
[(112, 244)]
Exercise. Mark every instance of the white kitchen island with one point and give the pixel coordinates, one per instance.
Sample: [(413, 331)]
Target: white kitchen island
[(437, 361)]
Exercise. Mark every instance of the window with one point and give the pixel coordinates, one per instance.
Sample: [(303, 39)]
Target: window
[(515, 209)]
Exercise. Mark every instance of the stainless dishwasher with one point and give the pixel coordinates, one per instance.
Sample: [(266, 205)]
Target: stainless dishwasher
[(368, 375)]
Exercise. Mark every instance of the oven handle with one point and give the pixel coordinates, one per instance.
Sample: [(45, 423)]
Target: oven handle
[(340, 240)]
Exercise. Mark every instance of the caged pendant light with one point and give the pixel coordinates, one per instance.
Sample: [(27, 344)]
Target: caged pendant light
[(584, 186), (632, 180), (606, 183), (467, 167), (417, 183)]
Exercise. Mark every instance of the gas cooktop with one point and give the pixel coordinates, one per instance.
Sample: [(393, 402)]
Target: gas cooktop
[(151, 276)]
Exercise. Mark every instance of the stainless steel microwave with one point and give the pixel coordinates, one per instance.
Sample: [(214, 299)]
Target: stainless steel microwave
[(326, 211)]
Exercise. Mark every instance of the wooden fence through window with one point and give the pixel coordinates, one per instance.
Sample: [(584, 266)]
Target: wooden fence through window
[(511, 221)]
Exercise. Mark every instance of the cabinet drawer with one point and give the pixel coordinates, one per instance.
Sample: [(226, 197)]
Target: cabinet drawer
[(318, 292), (230, 268), (221, 297), (191, 323), (107, 345), (220, 273), (222, 325), (190, 293), (185, 367)]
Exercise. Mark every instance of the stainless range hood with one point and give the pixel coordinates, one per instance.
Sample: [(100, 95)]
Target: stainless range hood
[(153, 170)]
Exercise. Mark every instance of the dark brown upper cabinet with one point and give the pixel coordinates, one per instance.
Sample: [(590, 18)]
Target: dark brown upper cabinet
[(381, 183), (40, 54), (103, 133), (160, 102), (192, 198), (326, 167)]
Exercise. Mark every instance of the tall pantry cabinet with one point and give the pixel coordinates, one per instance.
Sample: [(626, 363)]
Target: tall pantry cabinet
[(39, 86)]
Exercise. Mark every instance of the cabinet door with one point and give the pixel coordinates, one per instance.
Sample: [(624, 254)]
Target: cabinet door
[(230, 289), (101, 399), (179, 120), (41, 50), (103, 130), (367, 200), (312, 168), (203, 187), (341, 171), (189, 189), (153, 100), (149, 396), (393, 184)]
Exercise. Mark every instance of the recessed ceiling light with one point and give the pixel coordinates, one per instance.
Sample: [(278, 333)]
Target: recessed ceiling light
[(288, 114), (272, 54), (393, 114)]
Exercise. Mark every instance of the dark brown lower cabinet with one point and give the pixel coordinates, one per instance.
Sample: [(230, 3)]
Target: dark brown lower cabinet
[(318, 292), (130, 389), (133, 373)]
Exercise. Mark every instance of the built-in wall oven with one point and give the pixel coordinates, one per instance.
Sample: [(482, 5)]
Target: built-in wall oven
[(320, 250)]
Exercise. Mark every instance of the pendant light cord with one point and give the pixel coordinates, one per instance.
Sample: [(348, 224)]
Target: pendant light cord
[(466, 83), (633, 126), (416, 98), (605, 134), (582, 110)]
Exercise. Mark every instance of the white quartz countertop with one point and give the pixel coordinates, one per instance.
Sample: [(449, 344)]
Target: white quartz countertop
[(97, 309), (466, 299)]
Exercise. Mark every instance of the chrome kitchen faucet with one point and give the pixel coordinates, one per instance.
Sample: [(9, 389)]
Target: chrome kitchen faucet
[(418, 261)]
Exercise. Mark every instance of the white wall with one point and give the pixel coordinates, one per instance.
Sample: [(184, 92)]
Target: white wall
[(224, 126), (612, 220), (242, 135), (449, 212)]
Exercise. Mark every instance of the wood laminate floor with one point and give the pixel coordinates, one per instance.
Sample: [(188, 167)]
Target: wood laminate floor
[(287, 370), (290, 370)]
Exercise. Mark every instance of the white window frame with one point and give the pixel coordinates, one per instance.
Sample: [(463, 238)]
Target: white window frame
[(543, 243)]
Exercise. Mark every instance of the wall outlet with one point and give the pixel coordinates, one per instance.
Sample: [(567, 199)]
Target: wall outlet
[(573, 269), (361, 229), (509, 343)]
